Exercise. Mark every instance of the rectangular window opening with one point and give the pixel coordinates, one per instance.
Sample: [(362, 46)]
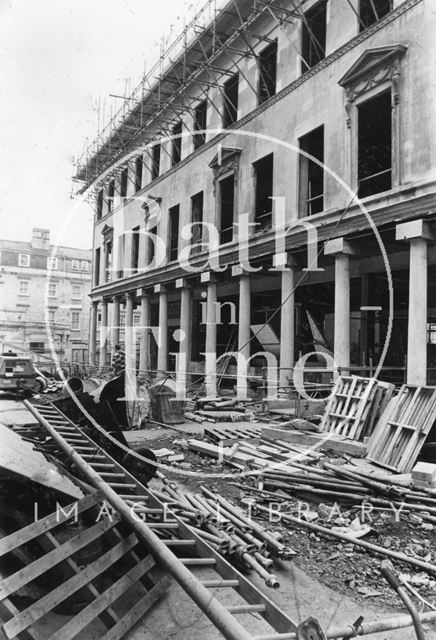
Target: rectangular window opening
[(173, 233), (151, 246), (231, 97), (155, 161), (375, 145), (313, 39), (267, 62), (200, 124), (264, 171), (371, 11), (75, 319), (311, 173), (123, 182), (23, 259), (100, 204), (227, 208), (24, 288), (138, 173), (110, 196), (135, 250), (197, 220), (97, 267), (108, 262), (176, 146)]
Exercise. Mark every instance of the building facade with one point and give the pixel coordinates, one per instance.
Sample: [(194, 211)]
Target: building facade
[(44, 299), (275, 183)]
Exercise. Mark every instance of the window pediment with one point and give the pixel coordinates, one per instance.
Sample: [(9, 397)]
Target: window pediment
[(371, 61), (107, 232)]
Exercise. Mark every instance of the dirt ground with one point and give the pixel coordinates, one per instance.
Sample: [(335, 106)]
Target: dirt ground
[(328, 579)]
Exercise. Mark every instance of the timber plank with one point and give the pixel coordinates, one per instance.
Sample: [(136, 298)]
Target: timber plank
[(128, 621), (48, 602), (105, 599), (49, 560), (32, 531)]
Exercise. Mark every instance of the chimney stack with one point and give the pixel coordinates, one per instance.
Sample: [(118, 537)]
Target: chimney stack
[(40, 239)]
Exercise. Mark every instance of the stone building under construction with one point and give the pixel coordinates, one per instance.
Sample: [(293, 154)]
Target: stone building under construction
[(270, 188)]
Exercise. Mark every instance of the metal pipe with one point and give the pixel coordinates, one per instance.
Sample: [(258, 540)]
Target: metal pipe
[(260, 531), (365, 628), (357, 541), (389, 574)]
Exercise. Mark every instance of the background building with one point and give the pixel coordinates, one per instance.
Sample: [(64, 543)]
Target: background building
[(41, 283), (348, 83)]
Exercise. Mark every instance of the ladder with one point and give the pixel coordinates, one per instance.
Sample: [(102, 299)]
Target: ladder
[(166, 535)]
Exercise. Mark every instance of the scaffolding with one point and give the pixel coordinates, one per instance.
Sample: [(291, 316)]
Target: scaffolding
[(191, 60)]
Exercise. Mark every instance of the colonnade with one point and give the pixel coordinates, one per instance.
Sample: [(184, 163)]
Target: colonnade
[(415, 233)]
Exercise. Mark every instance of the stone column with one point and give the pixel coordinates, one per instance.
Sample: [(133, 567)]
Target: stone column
[(92, 352), (185, 332), (342, 250), (129, 342), (244, 333), (144, 348), (287, 325), (115, 321), (211, 333), (417, 233), (103, 333), (162, 351)]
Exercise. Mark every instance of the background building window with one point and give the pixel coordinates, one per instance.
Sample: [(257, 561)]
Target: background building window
[(75, 265), (52, 290), (77, 291), (200, 124), (23, 259), (85, 265), (173, 233), (231, 96), (264, 170), (37, 347), (197, 220), (75, 319), (227, 207), (138, 173), (375, 145), (267, 63), (311, 177), (23, 288), (176, 144), (155, 161), (52, 263), (51, 316), (371, 11), (313, 39)]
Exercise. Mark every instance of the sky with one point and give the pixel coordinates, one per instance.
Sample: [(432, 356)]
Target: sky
[(60, 60)]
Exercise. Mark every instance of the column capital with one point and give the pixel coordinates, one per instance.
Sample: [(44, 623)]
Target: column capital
[(208, 276), (160, 288), (182, 283), (338, 246), (143, 293), (413, 230), (238, 271), (285, 261)]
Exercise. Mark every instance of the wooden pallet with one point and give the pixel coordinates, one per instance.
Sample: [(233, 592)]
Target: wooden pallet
[(57, 564), (403, 428), (353, 405)]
